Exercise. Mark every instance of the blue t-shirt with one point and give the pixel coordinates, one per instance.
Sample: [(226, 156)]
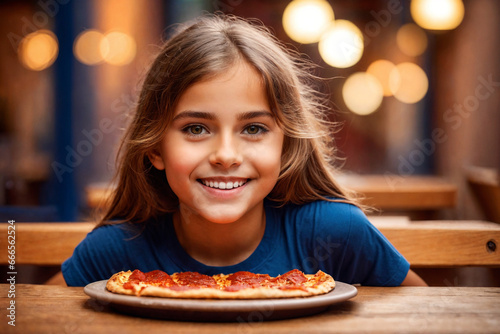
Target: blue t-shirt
[(336, 238)]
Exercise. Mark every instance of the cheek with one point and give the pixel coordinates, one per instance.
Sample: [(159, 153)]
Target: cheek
[(179, 163), (179, 166), (178, 170), (267, 160)]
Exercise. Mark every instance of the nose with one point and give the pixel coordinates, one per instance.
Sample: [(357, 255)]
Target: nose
[(226, 151)]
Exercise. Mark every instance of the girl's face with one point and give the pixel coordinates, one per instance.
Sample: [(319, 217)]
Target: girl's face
[(222, 152)]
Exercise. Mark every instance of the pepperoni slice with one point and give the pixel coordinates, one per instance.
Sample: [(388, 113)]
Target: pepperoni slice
[(247, 279), (194, 279), (293, 277), (158, 276), (137, 275), (155, 277)]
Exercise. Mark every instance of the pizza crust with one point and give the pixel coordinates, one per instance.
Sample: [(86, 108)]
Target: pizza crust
[(317, 284), (115, 283)]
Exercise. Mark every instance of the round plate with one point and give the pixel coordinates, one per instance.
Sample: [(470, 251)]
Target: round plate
[(241, 310)]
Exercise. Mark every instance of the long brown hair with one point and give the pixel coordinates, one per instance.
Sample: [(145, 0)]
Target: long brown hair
[(209, 46)]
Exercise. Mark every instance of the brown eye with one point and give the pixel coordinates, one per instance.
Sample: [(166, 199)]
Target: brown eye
[(253, 129), (256, 130), (196, 129)]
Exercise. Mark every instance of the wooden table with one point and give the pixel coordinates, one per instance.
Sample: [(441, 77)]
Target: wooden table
[(57, 309)]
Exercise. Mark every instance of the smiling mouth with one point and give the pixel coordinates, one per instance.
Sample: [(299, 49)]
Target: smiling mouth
[(223, 185)]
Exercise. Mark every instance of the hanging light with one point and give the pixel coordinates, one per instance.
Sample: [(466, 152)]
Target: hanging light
[(92, 47), (38, 50), (362, 93), (437, 14), (382, 69), (408, 83), (118, 48), (305, 20), (87, 47), (342, 44), (411, 39)]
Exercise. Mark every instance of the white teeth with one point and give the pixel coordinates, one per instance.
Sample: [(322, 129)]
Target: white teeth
[(223, 185)]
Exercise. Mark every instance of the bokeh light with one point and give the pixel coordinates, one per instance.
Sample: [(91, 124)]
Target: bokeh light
[(437, 14), (408, 83), (411, 39), (92, 47), (118, 48), (87, 47), (362, 93), (381, 69), (38, 50), (342, 44), (305, 21)]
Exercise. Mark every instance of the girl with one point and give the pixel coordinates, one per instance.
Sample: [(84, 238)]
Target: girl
[(227, 166)]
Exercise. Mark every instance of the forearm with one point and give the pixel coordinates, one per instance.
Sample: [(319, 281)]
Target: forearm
[(412, 279)]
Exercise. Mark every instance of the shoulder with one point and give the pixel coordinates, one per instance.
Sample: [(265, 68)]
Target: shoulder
[(321, 219), (129, 230), (320, 211), (343, 224), (108, 237), (108, 249), (105, 242), (124, 229), (124, 237)]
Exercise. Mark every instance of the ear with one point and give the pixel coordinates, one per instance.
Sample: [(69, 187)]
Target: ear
[(156, 159)]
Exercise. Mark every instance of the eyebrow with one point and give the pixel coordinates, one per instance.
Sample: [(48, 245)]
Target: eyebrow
[(254, 114), (211, 116), (194, 114)]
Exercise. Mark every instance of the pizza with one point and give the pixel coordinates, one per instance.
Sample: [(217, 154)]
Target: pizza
[(239, 285)]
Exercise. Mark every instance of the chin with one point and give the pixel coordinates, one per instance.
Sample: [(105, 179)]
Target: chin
[(222, 220)]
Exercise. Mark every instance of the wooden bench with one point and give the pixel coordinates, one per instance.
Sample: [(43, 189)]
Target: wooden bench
[(43, 244), (443, 243), (383, 192), (423, 243), (485, 186), (390, 193)]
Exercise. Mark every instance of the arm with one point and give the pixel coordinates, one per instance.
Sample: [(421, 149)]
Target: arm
[(57, 279), (412, 279)]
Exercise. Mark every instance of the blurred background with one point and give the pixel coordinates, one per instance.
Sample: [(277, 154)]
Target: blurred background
[(415, 85)]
